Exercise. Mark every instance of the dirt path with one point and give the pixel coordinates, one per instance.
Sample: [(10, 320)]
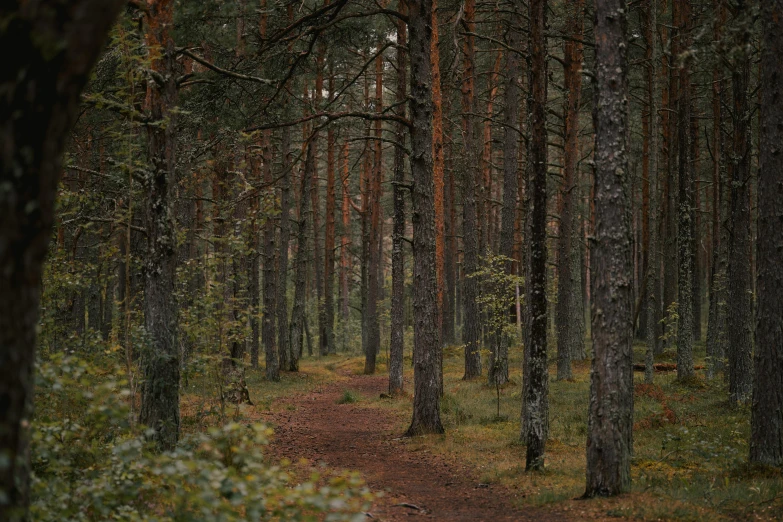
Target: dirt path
[(361, 438)]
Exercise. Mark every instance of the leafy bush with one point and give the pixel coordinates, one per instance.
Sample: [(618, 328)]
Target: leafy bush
[(89, 463)]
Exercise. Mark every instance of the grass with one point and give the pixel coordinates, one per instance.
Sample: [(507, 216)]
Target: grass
[(348, 397), (690, 443)]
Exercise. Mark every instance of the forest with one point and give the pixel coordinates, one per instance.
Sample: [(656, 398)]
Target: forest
[(349, 260)]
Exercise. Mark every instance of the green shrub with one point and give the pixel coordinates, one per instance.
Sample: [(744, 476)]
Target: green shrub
[(348, 397), (90, 464)]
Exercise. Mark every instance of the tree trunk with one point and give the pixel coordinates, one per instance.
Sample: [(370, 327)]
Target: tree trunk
[(610, 417), (396, 343), (315, 192), (438, 171), (160, 388), (536, 396), (470, 285), (685, 203), (270, 276), (298, 318), (653, 261), (740, 312), (327, 323), (426, 334), (717, 320), (38, 108), (569, 313), (498, 363), (766, 438)]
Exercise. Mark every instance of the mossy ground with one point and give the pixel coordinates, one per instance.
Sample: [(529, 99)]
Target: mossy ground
[(690, 443)]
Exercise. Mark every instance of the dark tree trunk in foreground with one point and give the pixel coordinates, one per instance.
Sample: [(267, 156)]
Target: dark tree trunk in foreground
[(766, 436), (536, 395), (471, 329), (41, 88), (396, 342), (740, 312), (498, 363), (569, 313), (610, 419), (426, 334), (160, 389)]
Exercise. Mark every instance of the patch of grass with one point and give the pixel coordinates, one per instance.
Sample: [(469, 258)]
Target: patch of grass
[(348, 397)]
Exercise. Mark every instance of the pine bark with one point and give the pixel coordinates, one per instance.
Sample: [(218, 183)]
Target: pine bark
[(569, 314), (327, 323), (438, 170), (740, 302), (610, 417), (471, 328), (426, 334), (536, 381), (160, 389), (374, 237), (396, 343), (717, 319), (298, 325), (685, 202), (268, 337), (766, 434), (653, 280)]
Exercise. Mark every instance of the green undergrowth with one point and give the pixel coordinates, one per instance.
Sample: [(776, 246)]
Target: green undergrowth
[(91, 461)]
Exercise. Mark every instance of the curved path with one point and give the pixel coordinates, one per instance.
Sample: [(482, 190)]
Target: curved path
[(359, 437)]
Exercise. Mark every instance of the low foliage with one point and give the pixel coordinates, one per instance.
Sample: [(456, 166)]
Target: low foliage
[(91, 464)]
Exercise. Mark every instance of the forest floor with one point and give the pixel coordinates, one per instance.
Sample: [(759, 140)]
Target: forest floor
[(689, 463), (334, 428)]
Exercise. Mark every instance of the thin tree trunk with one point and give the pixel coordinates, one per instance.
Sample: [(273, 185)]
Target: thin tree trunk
[(652, 270), (470, 285), (374, 258), (740, 312), (498, 364), (396, 343), (536, 396), (270, 276), (685, 296), (610, 417), (438, 170), (717, 320), (569, 314), (298, 318), (327, 322)]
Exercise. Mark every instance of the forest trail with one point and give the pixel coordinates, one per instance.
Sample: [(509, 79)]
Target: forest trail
[(366, 438)]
